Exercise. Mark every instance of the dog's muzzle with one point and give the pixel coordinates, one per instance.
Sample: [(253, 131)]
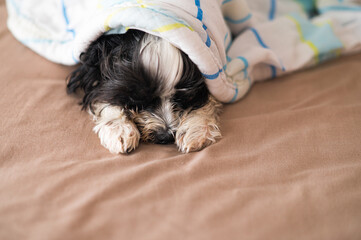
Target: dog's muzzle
[(164, 136)]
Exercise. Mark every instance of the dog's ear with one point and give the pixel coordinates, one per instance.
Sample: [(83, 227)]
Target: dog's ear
[(100, 58), (191, 90), (88, 74)]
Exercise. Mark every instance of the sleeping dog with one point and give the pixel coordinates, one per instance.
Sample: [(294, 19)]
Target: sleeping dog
[(139, 87)]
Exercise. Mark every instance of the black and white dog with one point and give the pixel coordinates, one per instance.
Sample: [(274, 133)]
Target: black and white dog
[(140, 87)]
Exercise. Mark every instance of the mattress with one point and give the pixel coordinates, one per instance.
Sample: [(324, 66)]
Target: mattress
[(288, 165)]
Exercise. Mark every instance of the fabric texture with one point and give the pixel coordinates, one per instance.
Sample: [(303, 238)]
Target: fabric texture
[(270, 38), (288, 165)]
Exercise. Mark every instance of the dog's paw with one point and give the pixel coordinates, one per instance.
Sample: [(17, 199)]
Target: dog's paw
[(190, 138), (118, 136)]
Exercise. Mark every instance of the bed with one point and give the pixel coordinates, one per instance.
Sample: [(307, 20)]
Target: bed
[(288, 165)]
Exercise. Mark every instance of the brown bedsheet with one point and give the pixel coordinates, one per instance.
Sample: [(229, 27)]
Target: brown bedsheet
[(288, 166)]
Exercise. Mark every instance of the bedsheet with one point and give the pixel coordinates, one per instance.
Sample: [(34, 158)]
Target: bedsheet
[(288, 166)]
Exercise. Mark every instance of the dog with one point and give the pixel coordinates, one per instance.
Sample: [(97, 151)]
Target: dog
[(139, 87)]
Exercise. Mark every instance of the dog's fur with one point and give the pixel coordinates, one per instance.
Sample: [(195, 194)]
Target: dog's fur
[(140, 87)]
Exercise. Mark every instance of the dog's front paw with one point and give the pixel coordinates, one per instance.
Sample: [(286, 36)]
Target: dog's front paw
[(190, 138), (118, 136)]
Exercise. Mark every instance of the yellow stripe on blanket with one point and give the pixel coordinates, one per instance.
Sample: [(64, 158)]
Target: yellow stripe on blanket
[(142, 5), (302, 37), (139, 4), (110, 16), (172, 26)]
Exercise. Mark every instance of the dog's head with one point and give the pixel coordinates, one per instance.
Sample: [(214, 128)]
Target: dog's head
[(153, 81)]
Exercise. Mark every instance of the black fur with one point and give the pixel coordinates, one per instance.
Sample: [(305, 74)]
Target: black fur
[(111, 72), (191, 90)]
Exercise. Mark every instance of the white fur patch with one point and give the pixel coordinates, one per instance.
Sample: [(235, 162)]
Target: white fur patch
[(162, 59)]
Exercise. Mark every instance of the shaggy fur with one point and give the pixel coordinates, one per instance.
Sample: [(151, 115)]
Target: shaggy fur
[(140, 87)]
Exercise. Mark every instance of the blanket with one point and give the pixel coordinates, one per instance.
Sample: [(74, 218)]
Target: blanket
[(233, 42)]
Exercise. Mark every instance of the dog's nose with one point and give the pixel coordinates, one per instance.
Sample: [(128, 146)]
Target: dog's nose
[(164, 136)]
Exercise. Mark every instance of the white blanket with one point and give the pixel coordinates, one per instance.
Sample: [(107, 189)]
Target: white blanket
[(233, 42)]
